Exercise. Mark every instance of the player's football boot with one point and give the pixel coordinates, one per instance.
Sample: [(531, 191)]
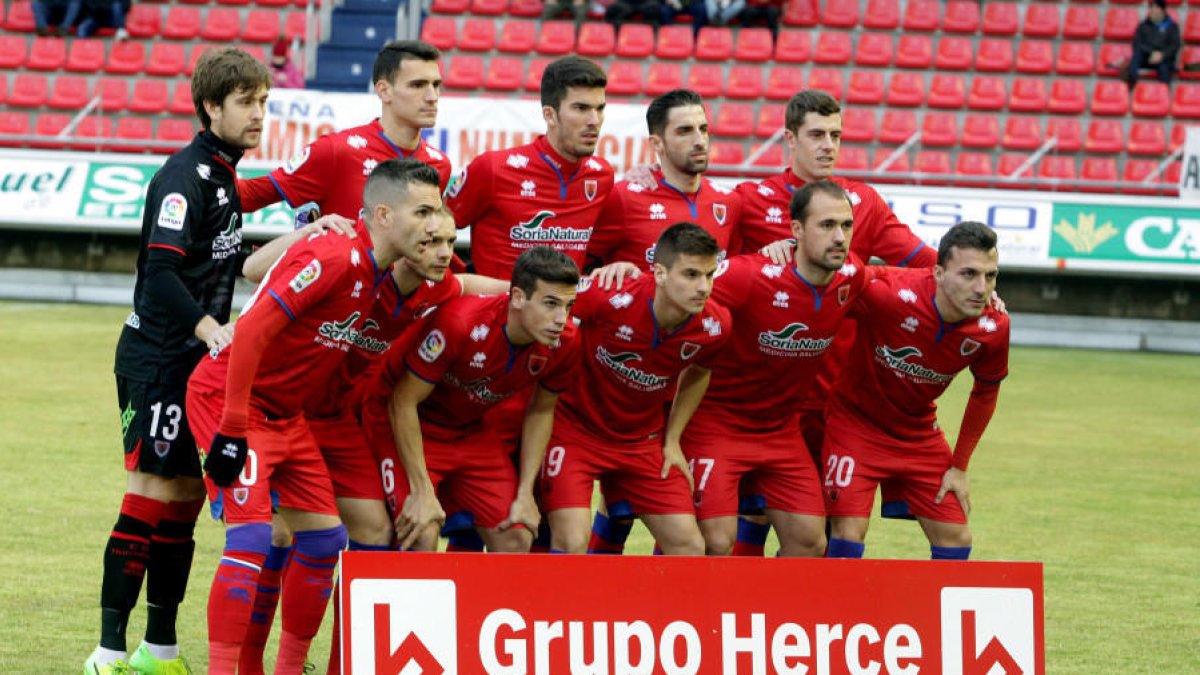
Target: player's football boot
[(144, 663), (93, 667)]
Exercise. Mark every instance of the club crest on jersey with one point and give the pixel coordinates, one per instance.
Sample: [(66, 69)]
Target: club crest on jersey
[(173, 211), (161, 448), (968, 347), (432, 347), (719, 212), (240, 495), (537, 363), (590, 187), (843, 294), (688, 349), (305, 277)]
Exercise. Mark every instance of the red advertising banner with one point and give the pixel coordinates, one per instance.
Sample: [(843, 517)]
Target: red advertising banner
[(434, 613)]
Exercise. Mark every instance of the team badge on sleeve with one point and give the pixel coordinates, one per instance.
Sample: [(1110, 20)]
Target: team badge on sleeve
[(688, 350), (294, 164), (456, 184), (173, 211), (590, 186), (968, 347), (719, 212), (432, 347), (305, 277)]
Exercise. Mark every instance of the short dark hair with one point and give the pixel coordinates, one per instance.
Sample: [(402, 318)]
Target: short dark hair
[(660, 108), (221, 71), (798, 207), (808, 101), (683, 238), (542, 263), (967, 234), (567, 72), (1161, 4), (390, 180), (395, 53)]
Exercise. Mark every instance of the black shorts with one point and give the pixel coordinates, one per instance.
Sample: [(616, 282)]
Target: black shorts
[(154, 428)]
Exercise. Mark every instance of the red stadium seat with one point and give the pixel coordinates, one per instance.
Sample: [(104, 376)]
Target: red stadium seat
[(1120, 23), (725, 153), (866, 87), (1171, 175), (1068, 133), (939, 130), (181, 99), (1081, 23), (519, 37), (126, 58), (826, 80), (20, 18), (295, 26), (1104, 137), (3, 87), (706, 79), (1000, 18), (675, 42), (994, 56), (182, 23), (1028, 95), (897, 126), (1190, 55), (906, 89), (1067, 97), (234, 3), (987, 93), (663, 77), (113, 93), (477, 35), (851, 158), (69, 92), (1191, 28), (1008, 166), (981, 131), (149, 96), (1075, 58), (262, 25), (745, 82), (29, 90), (1035, 57), (533, 75), (504, 73), (932, 162), (974, 164), (772, 157), (624, 78), (714, 43), (489, 7), (47, 54), (1056, 167), (556, 38), (962, 16), (12, 52), (1041, 20), (1099, 169), (635, 41), (882, 15), (783, 82), (1110, 98), (947, 91), (898, 165), (840, 13), (1136, 171), (1151, 98), (221, 24), (13, 124), (167, 59), (1110, 55), (1178, 135), (92, 132), (527, 8), (800, 13), (596, 39), (1186, 102), (914, 51), (753, 45), (439, 31), (858, 125), (833, 48), (770, 119), (1021, 132), (874, 49), (48, 126), (1147, 138), (174, 130), (464, 73), (734, 119), (85, 56), (450, 6), (793, 46), (922, 15), (954, 53)]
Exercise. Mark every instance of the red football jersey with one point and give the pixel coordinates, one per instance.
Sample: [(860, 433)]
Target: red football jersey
[(905, 357), (877, 231), (464, 348), (782, 329), (630, 366), (525, 197), (634, 217), (333, 169)]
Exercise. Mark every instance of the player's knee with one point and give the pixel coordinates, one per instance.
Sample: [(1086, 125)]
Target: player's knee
[(322, 544), (569, 539), (717, 541), (849, 529), (957, 537), (372, 529), (802, 547), (681, 540), (515, 540)]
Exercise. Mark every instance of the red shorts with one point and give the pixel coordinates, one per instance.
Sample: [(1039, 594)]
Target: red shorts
[(576, 459), (774, 464), (474, 473), (812, 428), (283, 459), (854, 463), (352, 466)]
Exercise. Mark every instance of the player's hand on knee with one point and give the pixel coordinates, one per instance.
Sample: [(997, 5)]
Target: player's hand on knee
[(226, 458), (615, 273), (420, 510), (524, 512), (956, 481), (673, 457), (780, 252)]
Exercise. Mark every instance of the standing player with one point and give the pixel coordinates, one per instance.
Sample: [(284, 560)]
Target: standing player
[(469, 357), (546, 193), (917, 330), (310, 309), (634, 217), (636, 344), (189, 255)]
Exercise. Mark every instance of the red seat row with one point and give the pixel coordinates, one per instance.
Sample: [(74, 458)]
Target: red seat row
[(94, 130), (218, 24)]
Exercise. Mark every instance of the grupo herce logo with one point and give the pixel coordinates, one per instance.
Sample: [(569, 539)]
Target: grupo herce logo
[(413, 627), (987, 631)]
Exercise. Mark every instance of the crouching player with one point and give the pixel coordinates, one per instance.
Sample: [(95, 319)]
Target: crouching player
[(917, 329)]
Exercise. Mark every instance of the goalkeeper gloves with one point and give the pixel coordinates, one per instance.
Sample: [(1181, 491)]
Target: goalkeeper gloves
[(226, 458)]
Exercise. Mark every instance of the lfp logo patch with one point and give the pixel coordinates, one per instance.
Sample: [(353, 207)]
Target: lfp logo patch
[(173, 211), (433, 346)]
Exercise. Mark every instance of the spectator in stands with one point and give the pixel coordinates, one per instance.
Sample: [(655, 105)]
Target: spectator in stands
[(62, 14), (104, 14), (766, 11), (284, 73), (698, 9), (721, 12), (556, 8), (1155, 44), (622, 11)]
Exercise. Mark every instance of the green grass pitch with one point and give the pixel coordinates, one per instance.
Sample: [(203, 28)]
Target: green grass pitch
[(1091, 465)]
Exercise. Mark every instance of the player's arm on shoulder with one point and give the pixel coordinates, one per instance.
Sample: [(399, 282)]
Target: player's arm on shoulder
[(258, 263), (609, 228), (308, 176), (421, 508), (890, 239), (257, 193), (535, 436), (478, 284)]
